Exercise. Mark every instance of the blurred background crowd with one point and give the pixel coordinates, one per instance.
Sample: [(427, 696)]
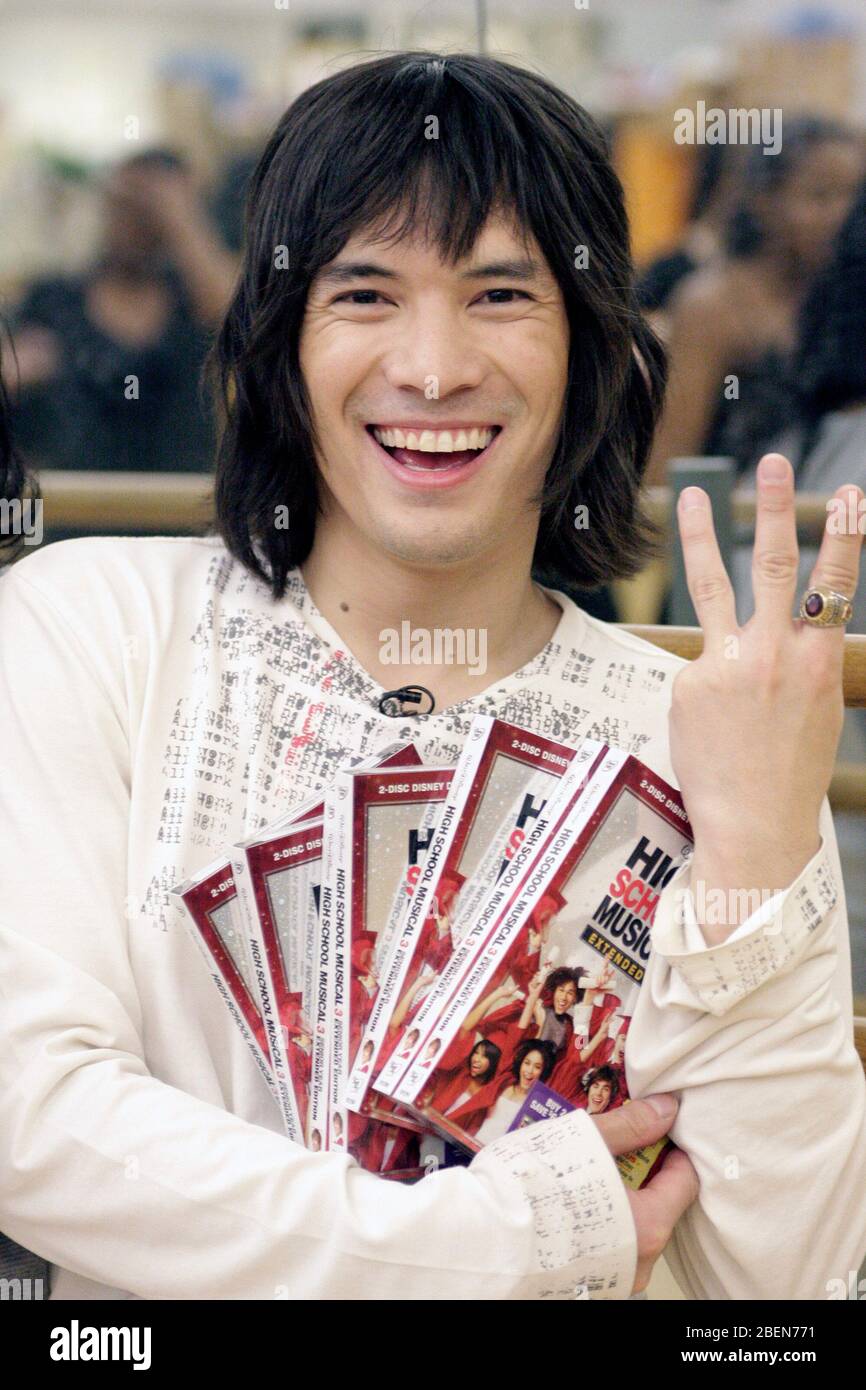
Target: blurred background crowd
[(128, 129)]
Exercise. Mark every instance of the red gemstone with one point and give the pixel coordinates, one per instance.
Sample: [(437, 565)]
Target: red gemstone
[(814, 605)]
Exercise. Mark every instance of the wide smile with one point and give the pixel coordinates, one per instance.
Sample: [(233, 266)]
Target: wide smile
[(423, 458)]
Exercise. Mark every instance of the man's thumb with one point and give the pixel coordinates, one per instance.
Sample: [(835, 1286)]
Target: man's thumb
[(637, 1122)]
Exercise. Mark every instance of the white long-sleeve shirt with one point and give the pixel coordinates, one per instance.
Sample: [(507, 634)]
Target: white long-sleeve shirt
[(156, 704)]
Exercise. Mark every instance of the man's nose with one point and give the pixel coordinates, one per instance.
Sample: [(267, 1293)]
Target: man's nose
[(434, 352)]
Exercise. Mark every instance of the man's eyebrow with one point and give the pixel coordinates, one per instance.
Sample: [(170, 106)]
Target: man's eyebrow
[(504, 270), (339, 272)]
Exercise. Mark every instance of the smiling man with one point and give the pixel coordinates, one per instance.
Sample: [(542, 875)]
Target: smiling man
[(441, 479), (433, 365)]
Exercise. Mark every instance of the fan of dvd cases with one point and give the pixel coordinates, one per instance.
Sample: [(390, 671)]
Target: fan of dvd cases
[(419, 954)]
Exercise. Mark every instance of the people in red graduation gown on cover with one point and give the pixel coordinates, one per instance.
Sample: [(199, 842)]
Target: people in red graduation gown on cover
[(489, 1113), (526, 956), (515, 1028), (589, 1043), (509, 1020), (461, 1076), (508, 1014)]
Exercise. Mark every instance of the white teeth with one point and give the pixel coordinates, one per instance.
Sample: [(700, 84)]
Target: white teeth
[(434, 441)]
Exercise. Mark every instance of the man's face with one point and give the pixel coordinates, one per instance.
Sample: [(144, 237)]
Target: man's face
[(564, 997), (598, 1097), (482, 345)]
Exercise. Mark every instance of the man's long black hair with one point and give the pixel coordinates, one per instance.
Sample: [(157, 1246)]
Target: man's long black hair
[(353, 152)]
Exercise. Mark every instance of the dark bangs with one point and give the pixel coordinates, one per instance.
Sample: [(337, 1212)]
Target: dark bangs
[(416, 142)]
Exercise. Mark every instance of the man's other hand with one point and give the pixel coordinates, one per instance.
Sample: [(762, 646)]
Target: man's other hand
[(659, 1204)]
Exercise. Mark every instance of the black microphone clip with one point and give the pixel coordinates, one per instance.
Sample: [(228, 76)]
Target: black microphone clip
[(392, 701)]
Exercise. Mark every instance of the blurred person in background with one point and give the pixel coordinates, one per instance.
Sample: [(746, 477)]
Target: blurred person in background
[(107, 364), (826, 439), (715, 188), (733, 323)]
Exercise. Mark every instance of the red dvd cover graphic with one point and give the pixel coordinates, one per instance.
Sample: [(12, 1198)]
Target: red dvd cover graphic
[(209, 904), (552, 990), (503, 779), (384, 830)]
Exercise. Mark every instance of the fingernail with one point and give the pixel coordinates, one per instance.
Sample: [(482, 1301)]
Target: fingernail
[(663, 1104), (691, 498), (772, 468)]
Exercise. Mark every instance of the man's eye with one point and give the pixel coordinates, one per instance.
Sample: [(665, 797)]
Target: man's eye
[(358, 297), (508, 300)]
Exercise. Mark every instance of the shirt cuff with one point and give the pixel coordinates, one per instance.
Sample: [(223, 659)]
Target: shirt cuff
[(585, 1245), (770, 940)]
